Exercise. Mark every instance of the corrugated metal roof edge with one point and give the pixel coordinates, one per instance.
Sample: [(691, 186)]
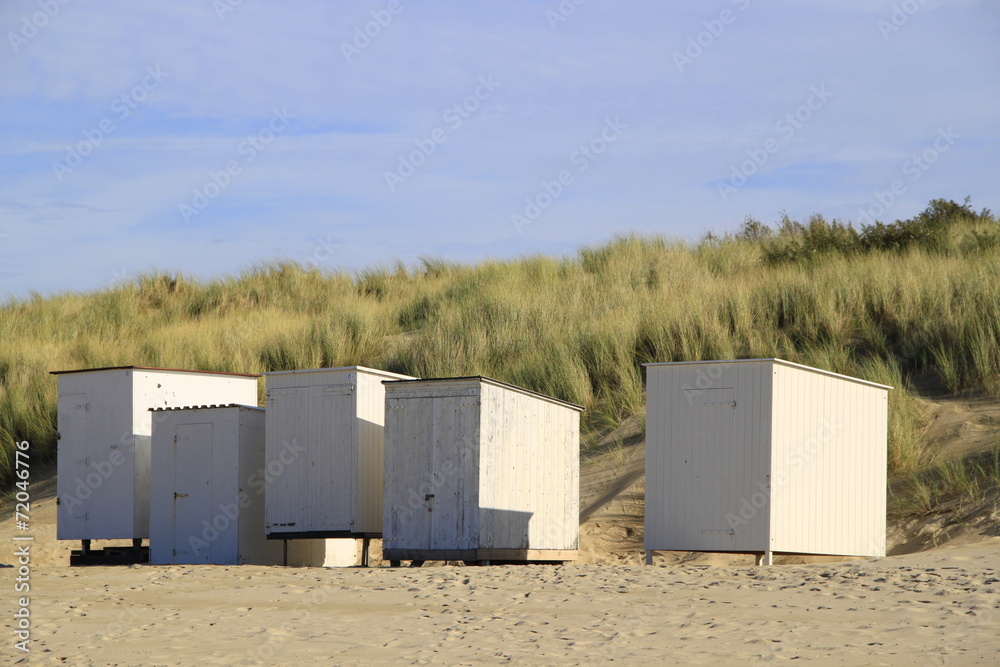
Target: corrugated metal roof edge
[(498, 383), (208, 407), (776, 360), (374, 371), (153, 368)]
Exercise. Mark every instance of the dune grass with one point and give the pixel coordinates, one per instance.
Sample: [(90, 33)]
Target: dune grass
[(961, 481), (887, 305)]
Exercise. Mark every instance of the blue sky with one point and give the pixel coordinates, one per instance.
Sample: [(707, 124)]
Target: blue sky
[(204, 136)]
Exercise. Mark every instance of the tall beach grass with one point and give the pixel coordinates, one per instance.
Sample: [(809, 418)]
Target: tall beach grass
[(891, 304)]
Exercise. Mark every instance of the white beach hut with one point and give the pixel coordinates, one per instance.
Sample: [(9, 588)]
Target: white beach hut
[(207, 487), (104, 426), (764, 456), (480, 471), (324, 453), (207, 492)]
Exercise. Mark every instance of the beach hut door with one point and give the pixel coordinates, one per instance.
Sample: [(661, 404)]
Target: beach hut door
[(192, 516)]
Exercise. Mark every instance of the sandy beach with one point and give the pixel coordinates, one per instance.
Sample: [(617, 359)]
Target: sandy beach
[(935, 608)]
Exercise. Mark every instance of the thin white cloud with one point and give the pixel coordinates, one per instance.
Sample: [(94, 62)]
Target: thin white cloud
[(325, 174)]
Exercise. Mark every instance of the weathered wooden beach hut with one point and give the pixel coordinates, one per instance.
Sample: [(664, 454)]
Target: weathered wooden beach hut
[(324, 439), (480, 471)]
